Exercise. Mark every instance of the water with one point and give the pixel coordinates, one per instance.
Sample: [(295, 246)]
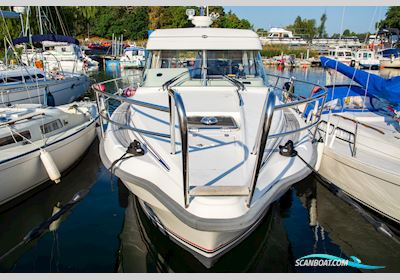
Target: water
[(108, 232)]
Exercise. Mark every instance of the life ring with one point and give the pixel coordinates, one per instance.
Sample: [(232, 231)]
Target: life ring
[(39, 64)]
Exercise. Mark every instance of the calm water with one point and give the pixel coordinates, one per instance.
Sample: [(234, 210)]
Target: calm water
[(107, 232)]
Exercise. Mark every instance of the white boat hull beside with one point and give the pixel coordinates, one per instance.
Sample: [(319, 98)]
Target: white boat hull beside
[(62, 91), (26, 171), (376, 188)]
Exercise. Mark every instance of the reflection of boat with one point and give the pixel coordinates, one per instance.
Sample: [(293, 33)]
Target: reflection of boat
[(361, 136), (209, 189), (38, 143), (145, 249), (39, 207), (342, 223), (26, 84)]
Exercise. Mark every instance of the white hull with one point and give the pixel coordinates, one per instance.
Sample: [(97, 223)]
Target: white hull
[(388, 63), (63, 91), (375, 188), (206, 246), (26, 171)]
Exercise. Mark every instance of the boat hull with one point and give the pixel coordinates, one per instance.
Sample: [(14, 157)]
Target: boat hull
[(206, 246), (388, 63), (377, 189), (60, 91), (26, 171)]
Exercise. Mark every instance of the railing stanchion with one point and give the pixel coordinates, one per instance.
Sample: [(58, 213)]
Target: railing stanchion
[(172, 122), (268, 114), (183, 126)]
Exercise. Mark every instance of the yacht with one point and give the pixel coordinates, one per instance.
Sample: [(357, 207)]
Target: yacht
[(367, 58), (133, 57), (38, 143), (390, 58), (360, 130), (58, 52), (20, 84), (282, 36), (343, 55), (204, 141)]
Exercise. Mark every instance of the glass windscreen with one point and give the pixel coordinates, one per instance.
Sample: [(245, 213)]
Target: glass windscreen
[(204, 67)]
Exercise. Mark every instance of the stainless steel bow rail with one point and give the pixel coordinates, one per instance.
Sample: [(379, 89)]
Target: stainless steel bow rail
[(176, 109)]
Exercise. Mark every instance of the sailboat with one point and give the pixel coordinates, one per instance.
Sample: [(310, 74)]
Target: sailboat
[(360, 130)]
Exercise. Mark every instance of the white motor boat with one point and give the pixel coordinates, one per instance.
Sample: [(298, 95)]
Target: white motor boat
[(343, 55), (59, 53), (199, 140), (366, 58), (133, 57), (361, 138), (39, 143), (29, 85)]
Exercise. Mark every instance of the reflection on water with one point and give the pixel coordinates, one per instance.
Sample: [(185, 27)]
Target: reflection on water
[(145, 249), (108, 231), (335, 221)]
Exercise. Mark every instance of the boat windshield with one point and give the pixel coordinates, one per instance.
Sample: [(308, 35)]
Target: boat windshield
[(203, 67)]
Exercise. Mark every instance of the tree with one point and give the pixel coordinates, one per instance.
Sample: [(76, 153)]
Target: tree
[(305, 27), (392, 18), (321, 29)]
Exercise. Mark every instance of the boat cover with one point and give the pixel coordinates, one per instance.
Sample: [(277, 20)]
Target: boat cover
[(45, 37), (388, 89), (9, 14)]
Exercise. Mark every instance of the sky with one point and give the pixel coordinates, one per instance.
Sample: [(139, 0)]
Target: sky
[(357, 19)]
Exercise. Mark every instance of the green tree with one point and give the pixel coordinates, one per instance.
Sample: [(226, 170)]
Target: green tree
[(392, 18), (321, 27)]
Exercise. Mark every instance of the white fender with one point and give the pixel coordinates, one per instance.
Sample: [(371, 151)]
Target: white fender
[(51, 167)]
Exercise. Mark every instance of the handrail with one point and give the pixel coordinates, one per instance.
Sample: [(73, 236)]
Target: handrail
[(265, 128), (183, 128), (176, 106)]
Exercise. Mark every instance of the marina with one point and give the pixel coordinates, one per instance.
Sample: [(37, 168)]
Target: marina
[(195, 153)]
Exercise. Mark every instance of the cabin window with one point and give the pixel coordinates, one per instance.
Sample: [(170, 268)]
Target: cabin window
[(51, 126), (285, 35), (348, 53), (15, 138)]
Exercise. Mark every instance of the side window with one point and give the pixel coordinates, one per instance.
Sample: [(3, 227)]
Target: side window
[(15, 138), (51, 126)]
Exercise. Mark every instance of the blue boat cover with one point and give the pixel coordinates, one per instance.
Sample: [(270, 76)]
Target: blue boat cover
[(9, 14), (45, 37), (388, 89)]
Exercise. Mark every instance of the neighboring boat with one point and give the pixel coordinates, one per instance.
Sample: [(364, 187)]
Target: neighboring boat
[(38, 143), (343, 55), (361, 134), (366, 58), (209, 188), (28, 85), (390, 58), (133, 57), (58, 52), (282, 36)]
